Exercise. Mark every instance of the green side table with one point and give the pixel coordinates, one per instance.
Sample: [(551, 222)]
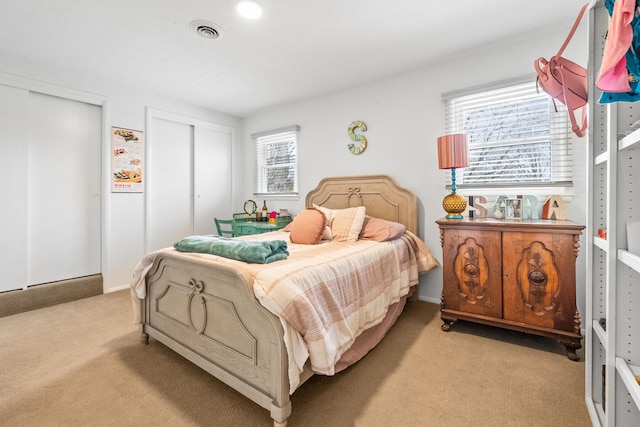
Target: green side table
[(244, 224)]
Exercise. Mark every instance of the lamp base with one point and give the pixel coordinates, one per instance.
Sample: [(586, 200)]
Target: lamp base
[(454, 204)]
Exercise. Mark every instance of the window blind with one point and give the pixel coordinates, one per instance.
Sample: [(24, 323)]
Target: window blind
[(515, 136), (276, 162)]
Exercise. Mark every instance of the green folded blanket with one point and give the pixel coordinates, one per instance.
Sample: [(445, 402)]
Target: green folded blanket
[(241, 250)]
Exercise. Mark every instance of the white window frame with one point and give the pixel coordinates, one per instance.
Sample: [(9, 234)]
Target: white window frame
[(285, 135), (561, 142)]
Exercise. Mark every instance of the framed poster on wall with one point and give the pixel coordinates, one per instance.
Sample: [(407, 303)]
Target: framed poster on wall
[(127, 152)]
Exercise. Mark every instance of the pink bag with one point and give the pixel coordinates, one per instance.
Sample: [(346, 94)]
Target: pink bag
[(565, 81)]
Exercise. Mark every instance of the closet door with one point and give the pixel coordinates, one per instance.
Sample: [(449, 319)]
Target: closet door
[(64, 192), (51, 220), (189, 179), (212, 178), (169, 195), (13, 187)]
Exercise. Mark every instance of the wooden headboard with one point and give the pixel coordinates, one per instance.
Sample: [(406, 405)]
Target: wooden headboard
[(380, 194)]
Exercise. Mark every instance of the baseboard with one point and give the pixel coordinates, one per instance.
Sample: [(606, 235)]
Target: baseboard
[(49, 294), (117, 288), (428, 299)]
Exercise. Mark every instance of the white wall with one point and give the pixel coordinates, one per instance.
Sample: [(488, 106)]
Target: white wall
[(404, 115), (123, 213)]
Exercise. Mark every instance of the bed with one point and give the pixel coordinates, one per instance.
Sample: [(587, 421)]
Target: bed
[(211, 310)]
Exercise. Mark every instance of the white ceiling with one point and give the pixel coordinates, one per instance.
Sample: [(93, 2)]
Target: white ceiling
[(298, 49)]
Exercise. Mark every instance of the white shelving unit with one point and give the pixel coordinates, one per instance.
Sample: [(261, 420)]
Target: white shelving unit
[(613, 280)]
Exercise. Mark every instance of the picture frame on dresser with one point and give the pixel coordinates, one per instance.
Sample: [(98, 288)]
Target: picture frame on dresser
[(513, 209)]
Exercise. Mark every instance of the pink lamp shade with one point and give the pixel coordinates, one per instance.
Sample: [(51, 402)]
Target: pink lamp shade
[(452, 151)]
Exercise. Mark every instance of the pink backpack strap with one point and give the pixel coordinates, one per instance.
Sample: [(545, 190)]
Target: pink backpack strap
[(574, 125), (573, 29), (579, 130)]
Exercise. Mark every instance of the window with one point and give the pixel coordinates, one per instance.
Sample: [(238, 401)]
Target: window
[(276, 162), (516, 137)]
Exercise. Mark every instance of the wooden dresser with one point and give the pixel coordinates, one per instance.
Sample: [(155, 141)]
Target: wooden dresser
[(514, 274)]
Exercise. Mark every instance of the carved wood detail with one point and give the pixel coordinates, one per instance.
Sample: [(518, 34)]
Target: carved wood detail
[(201, 316), (471, 270), (538, 278), (576, 245)]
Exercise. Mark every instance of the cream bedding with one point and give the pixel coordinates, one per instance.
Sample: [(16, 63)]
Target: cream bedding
[(325, 295)]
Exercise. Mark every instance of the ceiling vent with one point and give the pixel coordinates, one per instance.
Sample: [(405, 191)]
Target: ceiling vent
[(206, 29)]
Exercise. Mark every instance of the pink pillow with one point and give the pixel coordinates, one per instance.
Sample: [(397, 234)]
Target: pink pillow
[(381, 230), (307, 227)]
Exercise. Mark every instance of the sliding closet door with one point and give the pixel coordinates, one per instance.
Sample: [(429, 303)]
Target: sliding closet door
[(50, 219), (212, 178), (169, 195), (13, 188), (64, 192), (189, 178)]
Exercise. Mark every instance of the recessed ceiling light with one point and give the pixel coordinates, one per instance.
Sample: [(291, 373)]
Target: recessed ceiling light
[(249, 9), (206, 29)]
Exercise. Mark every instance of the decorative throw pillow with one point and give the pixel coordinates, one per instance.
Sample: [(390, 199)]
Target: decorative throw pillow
[(307, 227), (346, 224), (381, 230)]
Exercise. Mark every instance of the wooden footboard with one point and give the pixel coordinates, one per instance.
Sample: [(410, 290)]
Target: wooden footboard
[(210, 316)]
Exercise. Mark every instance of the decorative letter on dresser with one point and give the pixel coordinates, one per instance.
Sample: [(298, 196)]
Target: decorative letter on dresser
[(517, 275)]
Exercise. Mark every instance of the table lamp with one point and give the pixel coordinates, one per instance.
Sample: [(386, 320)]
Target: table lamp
[(452, 154)]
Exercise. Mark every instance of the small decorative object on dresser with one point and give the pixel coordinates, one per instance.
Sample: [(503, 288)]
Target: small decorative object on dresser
[(480, 211), (499, 207), (513, 209), (530, 207), (452, 154), (553, 208), (250, 208), (475, 207), (517, 275)]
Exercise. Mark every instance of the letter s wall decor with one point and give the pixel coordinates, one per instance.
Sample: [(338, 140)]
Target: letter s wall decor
[(359, 141)]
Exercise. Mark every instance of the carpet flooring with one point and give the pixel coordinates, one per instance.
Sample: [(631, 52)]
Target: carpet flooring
[(81, 363)]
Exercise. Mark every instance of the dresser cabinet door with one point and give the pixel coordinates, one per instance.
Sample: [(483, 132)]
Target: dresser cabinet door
[(539, 279), (473, 282)]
